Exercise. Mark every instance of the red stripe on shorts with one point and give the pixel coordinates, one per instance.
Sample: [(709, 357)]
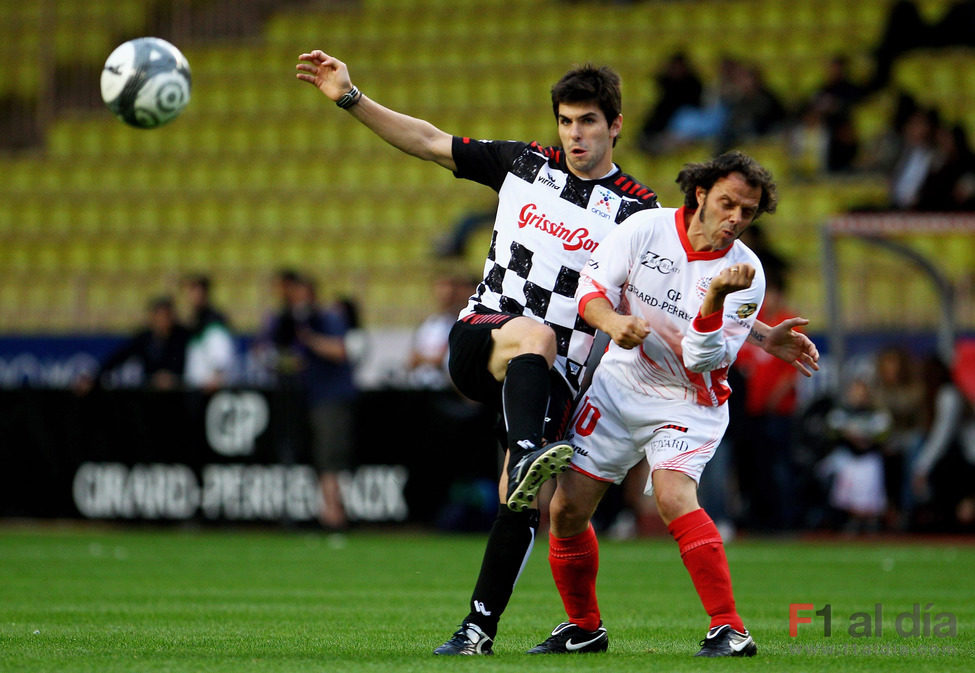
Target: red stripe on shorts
[(485, 318)]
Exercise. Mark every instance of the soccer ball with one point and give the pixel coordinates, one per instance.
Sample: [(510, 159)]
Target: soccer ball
[(146, 82)]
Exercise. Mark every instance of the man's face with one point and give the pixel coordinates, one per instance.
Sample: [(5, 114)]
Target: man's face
[(195, 295), (587, 138), (727, 209), (161, 320)]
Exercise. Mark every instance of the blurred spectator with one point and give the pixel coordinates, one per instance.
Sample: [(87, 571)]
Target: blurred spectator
[(330, 391), (854, 469), (696, 123), (158, 350), (754, 110), (899, 391), (737, 107), (881, 152), (764, 445), (824, 138), (915, 160), (427, 360), (944, 472), (679, 86), (211, 353), (309, 360), (950, 182), (906, 30), (273, 344), (356, 337), (280, 357)]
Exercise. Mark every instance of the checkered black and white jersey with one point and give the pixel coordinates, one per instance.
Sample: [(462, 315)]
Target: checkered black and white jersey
[(548, 223)]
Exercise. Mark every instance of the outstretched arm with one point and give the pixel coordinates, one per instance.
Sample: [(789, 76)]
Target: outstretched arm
[(787, 344), (409, 134)]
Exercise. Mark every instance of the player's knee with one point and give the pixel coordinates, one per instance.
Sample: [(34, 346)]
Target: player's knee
[(568, 518), (673, 503), (539, 339)]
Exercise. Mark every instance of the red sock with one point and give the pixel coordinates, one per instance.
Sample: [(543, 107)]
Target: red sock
[(702, 551), (575, 562)]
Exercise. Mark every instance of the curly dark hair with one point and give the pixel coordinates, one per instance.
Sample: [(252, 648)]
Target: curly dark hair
[(707, 173), (590, 83)]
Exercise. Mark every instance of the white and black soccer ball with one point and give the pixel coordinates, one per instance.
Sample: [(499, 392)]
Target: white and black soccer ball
[(146, 82)]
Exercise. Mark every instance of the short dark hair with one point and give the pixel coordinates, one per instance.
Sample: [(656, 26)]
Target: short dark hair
[(287, 275), (590, 83), (200, 280), (161, 303), (707, 173)]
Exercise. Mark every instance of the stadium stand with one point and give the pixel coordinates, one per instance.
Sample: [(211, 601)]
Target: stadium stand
[(258, 173)]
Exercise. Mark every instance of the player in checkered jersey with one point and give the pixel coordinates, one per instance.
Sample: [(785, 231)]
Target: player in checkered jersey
[(519, 346), (678, 294)]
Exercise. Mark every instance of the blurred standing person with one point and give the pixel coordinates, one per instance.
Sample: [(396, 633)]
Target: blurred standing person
[(899, 391), (276, 334), (427, 360), (854, 469), (330, 393), (764, 449), (944, 473), (211, 355), (280, 356)]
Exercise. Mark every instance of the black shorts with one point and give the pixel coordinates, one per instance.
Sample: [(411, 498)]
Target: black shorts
[(470, 351)]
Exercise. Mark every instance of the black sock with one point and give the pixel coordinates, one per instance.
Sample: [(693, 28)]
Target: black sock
[(525, 394), (509, 544)]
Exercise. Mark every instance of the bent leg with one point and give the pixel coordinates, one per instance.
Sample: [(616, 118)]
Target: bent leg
[(520, 336), (521, 357)]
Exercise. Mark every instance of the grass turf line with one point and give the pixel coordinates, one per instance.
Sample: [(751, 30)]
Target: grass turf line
[(202, 601)]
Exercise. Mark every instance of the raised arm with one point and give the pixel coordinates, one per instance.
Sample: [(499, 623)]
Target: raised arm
[(414, 136)]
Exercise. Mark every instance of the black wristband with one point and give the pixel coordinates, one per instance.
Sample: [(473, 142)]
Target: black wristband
[(350, 98)]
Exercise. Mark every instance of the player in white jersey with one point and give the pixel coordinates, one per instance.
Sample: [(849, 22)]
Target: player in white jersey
[(520, 346), (678, 294)]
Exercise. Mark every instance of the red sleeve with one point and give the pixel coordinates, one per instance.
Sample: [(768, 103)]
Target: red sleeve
[(708, 323), (588, 298)]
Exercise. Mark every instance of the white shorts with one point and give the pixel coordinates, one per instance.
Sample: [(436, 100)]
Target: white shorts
[(614, 427)]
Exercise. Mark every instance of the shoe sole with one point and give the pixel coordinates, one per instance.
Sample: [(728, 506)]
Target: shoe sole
[(550, 463)]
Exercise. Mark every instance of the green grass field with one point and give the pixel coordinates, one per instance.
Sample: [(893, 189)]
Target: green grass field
[(79, 599)]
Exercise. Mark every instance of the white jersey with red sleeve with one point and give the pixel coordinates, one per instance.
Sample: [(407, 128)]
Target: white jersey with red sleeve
[(646, 267)]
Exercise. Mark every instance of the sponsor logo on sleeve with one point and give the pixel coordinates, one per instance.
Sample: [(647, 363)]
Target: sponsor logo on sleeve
[(746, 310)]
